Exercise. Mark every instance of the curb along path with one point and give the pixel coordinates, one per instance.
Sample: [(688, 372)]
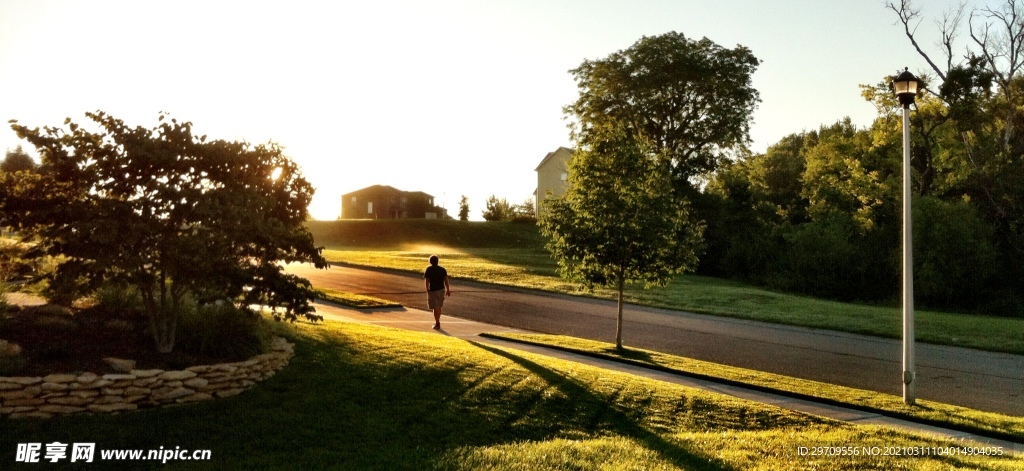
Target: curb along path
[(422, 321)]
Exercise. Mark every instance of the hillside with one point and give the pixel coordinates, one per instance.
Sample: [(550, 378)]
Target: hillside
[(399, 233)]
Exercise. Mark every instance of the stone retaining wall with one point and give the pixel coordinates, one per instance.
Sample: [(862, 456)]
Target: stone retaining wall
[(59, 394)]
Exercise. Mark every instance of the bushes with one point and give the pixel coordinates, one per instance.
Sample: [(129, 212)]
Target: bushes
[(957, 264), (120, 298), (833, 258), (12, 262), (819, 257), (222, 330), (214, 330), (955, 261)]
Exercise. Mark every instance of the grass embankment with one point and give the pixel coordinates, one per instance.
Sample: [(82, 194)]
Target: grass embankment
[(357, 301), (944, 415), (407, 233), (513, 254), (365, 397)]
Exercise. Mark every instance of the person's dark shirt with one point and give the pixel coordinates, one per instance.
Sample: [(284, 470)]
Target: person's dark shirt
[(436, 274)]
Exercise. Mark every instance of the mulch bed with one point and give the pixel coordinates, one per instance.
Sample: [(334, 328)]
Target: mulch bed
[(57, 339)]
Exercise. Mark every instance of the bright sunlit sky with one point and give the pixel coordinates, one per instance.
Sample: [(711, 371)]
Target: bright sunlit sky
[(447, 97)]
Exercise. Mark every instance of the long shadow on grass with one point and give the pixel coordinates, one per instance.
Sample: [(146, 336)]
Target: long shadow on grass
[(358, 400), (615, 420)]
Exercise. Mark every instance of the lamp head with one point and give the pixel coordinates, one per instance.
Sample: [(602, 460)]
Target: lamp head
[(905, 86)]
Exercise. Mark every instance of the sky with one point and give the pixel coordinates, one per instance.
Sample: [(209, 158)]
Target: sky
[(452, 97)]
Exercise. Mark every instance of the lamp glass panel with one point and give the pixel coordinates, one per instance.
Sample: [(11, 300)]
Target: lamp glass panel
[(901, 87)]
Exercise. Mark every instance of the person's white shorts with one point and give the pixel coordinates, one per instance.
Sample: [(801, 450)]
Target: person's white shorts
[(435, 299)]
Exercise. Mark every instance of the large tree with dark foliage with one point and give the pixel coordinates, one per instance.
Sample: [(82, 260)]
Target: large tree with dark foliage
[(167, 211), (650, 121), (692, 99)]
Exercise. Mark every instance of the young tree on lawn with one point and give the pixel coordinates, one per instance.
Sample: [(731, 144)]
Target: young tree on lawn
[(525, 210), (618, 222), (464, 208), (167, 211), (497, 209), (691, 99)]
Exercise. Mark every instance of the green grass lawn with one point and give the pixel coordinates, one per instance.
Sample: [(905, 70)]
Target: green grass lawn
[(943, 415), (407, 233), (533, 268), (365, 397), (357, 301)]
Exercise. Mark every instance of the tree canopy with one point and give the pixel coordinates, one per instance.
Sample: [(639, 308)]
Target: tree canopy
[(167, 211), (818, 212), (649, 122), (691, 99), (497, 209), (618, 221), (464, 208), (830, 225)]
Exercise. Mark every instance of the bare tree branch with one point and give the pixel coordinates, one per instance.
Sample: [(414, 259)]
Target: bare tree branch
[(907, 14), (1015, 31), (950, 29), (1004, 52), (986, 48)]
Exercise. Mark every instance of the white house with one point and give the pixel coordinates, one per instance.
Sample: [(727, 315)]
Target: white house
[(552, 175)]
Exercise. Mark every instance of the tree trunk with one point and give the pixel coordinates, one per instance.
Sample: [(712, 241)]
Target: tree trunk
[(164, 325), (618, 322), (163, 318)]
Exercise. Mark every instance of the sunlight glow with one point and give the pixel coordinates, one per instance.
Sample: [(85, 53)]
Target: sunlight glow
[(449, 97)]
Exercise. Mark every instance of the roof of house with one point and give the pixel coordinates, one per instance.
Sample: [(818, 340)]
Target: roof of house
[(374, 189), (550, 155), (384, 189)]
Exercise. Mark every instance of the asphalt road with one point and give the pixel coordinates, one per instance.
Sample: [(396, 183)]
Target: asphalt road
[(971, 378)]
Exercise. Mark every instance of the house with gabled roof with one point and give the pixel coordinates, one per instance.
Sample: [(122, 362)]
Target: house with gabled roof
[(387, 202), (552, 175)]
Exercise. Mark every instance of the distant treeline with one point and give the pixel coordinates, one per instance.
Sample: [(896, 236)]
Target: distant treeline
[(819, 213)]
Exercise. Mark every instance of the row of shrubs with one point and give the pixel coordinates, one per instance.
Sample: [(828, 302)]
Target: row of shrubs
[(958, 262), (222, 330)]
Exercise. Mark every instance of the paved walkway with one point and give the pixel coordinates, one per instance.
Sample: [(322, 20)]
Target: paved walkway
[(423, 321)]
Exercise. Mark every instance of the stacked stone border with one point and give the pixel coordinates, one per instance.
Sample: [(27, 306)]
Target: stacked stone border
[(62, 394)]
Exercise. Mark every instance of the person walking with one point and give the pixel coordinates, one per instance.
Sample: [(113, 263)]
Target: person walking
[(436, 281)]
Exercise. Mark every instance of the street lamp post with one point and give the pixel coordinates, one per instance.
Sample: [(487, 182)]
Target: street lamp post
[(905, 85)]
